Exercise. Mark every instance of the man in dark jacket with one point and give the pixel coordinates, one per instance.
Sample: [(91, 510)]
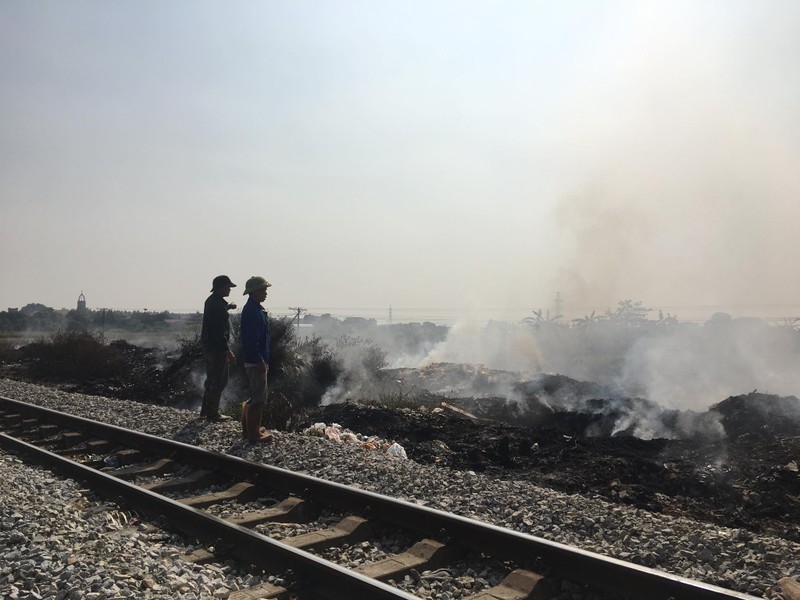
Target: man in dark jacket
[(214, 337), (255, 354)]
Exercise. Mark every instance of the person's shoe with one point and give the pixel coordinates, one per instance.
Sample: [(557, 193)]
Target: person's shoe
[(261, 430), (255, 431), (264, 437), (218, 418)]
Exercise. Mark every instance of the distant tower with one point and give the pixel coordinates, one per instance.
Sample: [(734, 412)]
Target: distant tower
[(390, 314), (558, 304), (81, 302)]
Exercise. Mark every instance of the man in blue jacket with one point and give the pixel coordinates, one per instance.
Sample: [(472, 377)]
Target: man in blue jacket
[(255, 354)]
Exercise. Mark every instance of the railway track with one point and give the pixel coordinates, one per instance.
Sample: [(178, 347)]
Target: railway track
[(183, 484)]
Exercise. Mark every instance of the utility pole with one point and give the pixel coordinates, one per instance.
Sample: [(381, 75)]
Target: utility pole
[(390, 314), (298, 311)]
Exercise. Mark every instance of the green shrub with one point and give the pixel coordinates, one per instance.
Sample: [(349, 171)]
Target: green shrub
[(360, 354), (74, 356), (321, 370), (282, 356), (300, 372), (8, 352)]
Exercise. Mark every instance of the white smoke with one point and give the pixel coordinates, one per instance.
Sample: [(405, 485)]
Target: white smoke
[(496, 346), (695, 366), (359, 361), (677, 370), (683, 150)]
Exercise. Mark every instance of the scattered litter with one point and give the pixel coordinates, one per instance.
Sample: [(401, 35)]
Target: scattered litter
[(337, 433), (396, 450)]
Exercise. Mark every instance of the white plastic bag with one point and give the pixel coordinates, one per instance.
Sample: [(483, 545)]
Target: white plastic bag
[(396, 450)]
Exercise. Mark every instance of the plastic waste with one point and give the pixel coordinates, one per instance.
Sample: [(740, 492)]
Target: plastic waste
[(317, 429), (111, 461), (333, 433), (396, 450), (337, 433)]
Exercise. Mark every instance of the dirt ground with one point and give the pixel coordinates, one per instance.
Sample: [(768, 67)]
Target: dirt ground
[(745, 477)]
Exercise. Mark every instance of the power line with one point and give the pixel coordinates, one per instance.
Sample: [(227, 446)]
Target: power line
[(298, 311)]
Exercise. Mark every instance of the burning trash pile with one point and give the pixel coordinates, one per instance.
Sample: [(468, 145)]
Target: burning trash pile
[(337, 433), (735, 464)]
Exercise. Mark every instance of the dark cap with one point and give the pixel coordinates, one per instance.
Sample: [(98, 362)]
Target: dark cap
[(221, 281)]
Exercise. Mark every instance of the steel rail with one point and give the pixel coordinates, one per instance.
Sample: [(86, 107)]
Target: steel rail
[(248, 546), (572, 563)]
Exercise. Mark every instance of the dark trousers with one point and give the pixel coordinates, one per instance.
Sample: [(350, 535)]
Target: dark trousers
[(216, 380)]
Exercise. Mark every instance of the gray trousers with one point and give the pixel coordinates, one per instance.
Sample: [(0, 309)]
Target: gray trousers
[(258, 390)]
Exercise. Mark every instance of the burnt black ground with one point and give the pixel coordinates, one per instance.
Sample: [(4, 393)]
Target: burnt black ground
[(744, 480)]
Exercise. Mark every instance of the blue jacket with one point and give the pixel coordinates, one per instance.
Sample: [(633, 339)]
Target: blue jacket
[(255, 333)]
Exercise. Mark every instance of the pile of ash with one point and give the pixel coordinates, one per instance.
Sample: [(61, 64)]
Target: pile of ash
[(550, 401), (765, 415)]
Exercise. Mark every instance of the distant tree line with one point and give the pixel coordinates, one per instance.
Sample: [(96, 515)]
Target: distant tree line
[(599, 347), (398, 338), (41, 318)]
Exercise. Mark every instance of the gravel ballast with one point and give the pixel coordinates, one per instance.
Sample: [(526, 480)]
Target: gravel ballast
[(58, 542)]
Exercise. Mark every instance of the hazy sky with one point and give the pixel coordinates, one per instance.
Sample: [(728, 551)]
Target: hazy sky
[(433, 155)]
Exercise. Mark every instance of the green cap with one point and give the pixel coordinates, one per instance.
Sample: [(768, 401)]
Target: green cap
[(255, 284)]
